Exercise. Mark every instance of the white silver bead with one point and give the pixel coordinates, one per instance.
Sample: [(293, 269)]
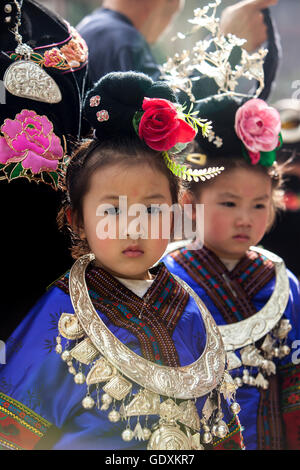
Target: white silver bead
[(88, 402), (106, 399), (221, 430), (246, 378), (79, 378), (276, 352), (7, 8), (114, 416), (72, 370), (214, 430), (238, 381), (58, 348), (66, 356), (235, 407), (207, 438), (147, 433), (252, 381), (285, 350), (127, 435)]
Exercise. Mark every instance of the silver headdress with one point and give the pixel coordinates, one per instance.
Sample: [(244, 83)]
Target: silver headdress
[(219, 57)]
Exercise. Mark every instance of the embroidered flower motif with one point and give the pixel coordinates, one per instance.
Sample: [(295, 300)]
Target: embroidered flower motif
[(29, 138), (294, 398), (160, 126), (258, 126), (53, 57), (75, 51), (102, 115), (73, 54), (94, 101)]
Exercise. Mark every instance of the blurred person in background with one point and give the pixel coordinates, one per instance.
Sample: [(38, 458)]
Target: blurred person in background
[(285, 235), (119, 34)]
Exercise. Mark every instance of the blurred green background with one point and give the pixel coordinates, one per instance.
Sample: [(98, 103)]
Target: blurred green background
[(286, 14)]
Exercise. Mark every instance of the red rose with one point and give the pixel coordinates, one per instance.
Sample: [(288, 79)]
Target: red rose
[(160, 127)]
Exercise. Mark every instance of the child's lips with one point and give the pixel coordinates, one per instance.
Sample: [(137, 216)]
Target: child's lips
[(133, 252), (241, 237)]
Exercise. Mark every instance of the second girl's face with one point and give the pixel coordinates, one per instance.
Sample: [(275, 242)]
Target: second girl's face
[(237, 211), (128, 251)]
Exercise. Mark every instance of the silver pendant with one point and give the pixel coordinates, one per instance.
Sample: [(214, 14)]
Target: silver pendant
[(169, 437), (189, 415), (101, 372), (260, 381), (233, 360), (84, 352), (69, 326), (251, 357), (26, 79), (144, 403)]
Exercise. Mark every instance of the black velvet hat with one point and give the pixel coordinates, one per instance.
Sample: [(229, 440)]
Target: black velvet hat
[(121, 95), (221, 111)]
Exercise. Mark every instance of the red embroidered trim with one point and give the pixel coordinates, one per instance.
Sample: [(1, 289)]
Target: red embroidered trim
[(290, 403), (233, 440), (20, 427)]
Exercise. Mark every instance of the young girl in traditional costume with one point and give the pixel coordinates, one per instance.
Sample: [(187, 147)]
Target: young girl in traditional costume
[(253, 298), (119, 355)]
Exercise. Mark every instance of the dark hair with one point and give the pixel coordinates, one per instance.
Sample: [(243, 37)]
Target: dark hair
[(92, 155), (117, 96)]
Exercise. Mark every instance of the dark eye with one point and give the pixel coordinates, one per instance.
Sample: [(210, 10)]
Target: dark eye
[(153, 210), (112, 211), (260, 206), (228, 204)]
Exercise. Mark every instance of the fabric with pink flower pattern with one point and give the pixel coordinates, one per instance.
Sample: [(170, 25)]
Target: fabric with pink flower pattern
[(30, 148)]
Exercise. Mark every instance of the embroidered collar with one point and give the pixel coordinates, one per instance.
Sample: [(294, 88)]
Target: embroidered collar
[(152, 318), (246, 331), (231, 291)]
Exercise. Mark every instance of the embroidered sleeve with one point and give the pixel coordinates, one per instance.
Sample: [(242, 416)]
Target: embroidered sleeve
[(20, 427), (290, 404)]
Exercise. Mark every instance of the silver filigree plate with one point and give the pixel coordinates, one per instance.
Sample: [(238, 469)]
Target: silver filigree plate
[(187, 382), (26, 79), (248, 331)]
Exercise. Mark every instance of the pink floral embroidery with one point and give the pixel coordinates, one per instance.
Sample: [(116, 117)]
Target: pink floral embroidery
[(102, 115), (29, 138), (70, 56), (75, 51), (258, 126), (53, 57), (94, 101)]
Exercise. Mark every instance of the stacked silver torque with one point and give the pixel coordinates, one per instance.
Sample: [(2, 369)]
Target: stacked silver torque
[(117, 368), (267, 323)]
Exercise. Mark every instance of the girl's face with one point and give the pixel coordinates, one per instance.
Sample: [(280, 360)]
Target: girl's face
[(128, 250), (237, 211)]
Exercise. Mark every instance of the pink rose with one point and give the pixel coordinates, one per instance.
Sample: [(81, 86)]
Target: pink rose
[(160, 127), (258, 126), (29, 138)]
